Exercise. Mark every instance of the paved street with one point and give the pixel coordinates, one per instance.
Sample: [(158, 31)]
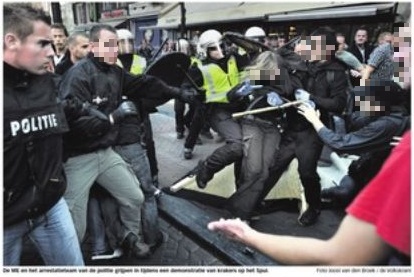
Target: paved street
[(188, 242), (178, 248)]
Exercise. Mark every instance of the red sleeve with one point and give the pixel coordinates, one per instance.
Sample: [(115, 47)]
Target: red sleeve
[(385, 201)]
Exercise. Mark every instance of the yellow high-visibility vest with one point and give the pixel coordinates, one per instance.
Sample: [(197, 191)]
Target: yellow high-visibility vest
[(217, 82), (138, 64)]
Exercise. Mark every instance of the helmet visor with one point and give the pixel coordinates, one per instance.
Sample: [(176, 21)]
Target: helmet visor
[(125, 46)]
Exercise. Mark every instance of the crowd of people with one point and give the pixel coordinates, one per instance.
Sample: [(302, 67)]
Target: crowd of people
[(80, 159)]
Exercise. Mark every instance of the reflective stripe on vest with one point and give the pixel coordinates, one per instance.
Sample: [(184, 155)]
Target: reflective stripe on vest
[(138, 65), (217, 83)]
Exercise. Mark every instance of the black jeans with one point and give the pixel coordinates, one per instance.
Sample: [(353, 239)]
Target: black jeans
[(232, 151), (183, 119), (306, 147), (198, 123)]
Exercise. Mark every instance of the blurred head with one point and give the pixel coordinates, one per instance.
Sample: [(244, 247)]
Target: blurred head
[(320, 45), (125, 41), (256, 33), (27, 40), (104, 43), (385, 37), (265, 69), (377, 98), (340, 39), (281, 41), (361, 36), (60, 36), (402, 54), (211, 45), (79, 46)]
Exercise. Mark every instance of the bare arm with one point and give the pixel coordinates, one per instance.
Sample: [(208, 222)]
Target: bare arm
[(355, 243)]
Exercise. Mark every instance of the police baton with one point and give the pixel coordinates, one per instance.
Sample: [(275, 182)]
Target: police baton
[(267, 109)]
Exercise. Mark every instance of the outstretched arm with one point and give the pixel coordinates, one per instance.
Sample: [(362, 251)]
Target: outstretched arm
[(355, 243)]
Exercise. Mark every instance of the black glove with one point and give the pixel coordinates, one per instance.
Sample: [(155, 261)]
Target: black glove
[(92, 110), (125, 109), (189, 95)]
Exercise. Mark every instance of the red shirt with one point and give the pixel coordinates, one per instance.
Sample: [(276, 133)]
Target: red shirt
[(385, 201)]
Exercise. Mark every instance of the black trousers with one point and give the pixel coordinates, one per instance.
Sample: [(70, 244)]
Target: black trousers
[(232, 151), (261, 142), (306, 147), (198, 123), (182, 118)]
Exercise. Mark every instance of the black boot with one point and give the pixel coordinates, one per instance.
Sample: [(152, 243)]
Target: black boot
[(133, 247), (203, 175), (342, 194), (309, 217)]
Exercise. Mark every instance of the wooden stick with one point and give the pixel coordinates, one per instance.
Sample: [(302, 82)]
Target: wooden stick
[(267, 109)]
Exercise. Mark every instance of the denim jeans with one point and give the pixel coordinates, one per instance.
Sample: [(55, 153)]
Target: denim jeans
[(110, 171), (136, 156), (53, 234)]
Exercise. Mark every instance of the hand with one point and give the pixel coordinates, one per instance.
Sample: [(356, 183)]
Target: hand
[(233, 228), (241, 90), (309, 113), (189, 95), (273, 99), (93, 111), (354, 73), (125, 109), (301, 94)]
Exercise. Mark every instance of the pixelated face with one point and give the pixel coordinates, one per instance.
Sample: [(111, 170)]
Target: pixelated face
[(106, 48), (368, 105), (216, 51), (341, 42), (59, 38), (266, 77), (81, 48), (34, 52), (402, 55), (126, 46), (314, 48), (361, 36)]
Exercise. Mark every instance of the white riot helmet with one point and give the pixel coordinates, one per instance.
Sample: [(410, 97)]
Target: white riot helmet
[(255, 33), (210, 40), (125, 41), (183, 46)]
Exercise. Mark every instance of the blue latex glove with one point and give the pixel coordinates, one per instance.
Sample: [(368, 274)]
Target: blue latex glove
[(301, 94), (242, 90), (245, 88), (273, 99)]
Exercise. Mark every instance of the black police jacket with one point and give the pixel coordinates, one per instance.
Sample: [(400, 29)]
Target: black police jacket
[(103, 85), (33, 126)]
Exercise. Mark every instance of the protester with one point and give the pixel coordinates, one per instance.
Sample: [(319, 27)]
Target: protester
[(370, 234), (376, 120), (300, 139), (34, 181), (261, 132)]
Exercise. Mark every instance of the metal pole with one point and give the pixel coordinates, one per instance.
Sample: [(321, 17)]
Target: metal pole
[(182, 25)]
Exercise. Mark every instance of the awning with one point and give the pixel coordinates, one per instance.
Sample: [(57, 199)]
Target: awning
[(201, 13), (336, 12), (114, 23)]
